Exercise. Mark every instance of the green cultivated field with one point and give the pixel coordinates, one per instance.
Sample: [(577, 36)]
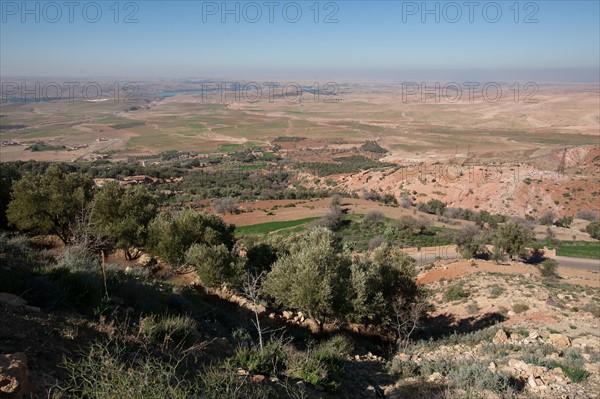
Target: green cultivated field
[(579, 249), (270, 227)]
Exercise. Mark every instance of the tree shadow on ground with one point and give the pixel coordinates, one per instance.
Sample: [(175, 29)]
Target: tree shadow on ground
[(444, 325), (46, 339)]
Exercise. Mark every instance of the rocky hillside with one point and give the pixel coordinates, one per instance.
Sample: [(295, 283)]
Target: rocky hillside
[(494, 331), (563, 181)]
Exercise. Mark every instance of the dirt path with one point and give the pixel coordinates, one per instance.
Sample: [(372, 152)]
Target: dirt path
[(453, 269)]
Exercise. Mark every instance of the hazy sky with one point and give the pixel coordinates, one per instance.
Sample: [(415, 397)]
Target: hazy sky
[(545, 40)]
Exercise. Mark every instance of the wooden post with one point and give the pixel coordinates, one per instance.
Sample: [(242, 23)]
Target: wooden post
[(104, 274)]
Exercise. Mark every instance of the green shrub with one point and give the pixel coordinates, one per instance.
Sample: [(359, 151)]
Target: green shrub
[(260, 258), (335, 347), (403, 368), (267, 360), (496, 291), (454, 293), (593, 229), (547, 218), (548, 268), (321, 365), (373, 217), (576, 374), (169, 329), (78, 259), (222, 381), (332, 220), (475, 377), (520, 307), (565, 221), (105, 374), (122, 214), (428, 367), (15, 245), (466, 379), (571, 365)]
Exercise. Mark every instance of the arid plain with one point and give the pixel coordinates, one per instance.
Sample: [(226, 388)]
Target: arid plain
[(522, 153)]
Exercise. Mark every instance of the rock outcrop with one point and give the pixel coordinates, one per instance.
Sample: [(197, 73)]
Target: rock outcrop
[(14, 378)]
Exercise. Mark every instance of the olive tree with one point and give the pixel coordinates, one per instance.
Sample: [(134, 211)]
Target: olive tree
[(9, 173), (512, 239), (470, 242), (123, 214), (373, 217), (377, 281), (225, 205), (332, 220), (170, 235), (410, 226), (547, 218), (312, 278), (215, 264), (49, 203)]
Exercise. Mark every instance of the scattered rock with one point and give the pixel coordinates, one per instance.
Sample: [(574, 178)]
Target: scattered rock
[(500, 338), (402, 356), (12, 299), (14, 380), (287, 314), (144, 259), (592, 368), (18, 303), (436, 377), (371, 392), (258, 378), (542, 296), (531, 382), (518, 365), (559, 340)]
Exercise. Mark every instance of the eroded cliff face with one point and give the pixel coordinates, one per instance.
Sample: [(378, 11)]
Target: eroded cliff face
[(563, 181)]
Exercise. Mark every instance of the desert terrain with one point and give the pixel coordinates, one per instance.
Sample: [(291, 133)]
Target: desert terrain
[(513, 157), (387, 183)]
